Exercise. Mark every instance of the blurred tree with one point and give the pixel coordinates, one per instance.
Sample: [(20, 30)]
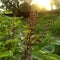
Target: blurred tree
[(51, 4), (57, 3), (28, 1), (16, 5), (24, 10)]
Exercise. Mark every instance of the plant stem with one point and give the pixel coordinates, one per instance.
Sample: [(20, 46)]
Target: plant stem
[(27, 54)]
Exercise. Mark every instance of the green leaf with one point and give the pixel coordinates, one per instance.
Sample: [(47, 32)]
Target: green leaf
[(56, 42), (38, 55), (48, 49), (53, 57), (6, 54)]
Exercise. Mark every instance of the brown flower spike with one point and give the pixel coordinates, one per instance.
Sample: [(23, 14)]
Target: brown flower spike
[(32, 22)]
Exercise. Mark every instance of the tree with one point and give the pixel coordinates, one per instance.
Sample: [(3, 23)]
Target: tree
[(16, 5), (51, 3), (57, 3), (24, 9)]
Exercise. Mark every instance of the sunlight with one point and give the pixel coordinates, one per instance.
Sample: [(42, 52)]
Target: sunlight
[(0, 3), (43, 3)]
